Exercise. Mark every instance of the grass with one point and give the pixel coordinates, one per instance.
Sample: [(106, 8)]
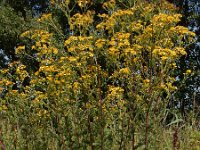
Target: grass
[(16, 135)]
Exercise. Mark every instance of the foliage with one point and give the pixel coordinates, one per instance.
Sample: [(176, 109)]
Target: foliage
[(11, 27), (188, 95), (107, 85), (16, 17)]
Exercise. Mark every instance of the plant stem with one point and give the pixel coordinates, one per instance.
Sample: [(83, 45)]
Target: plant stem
[(90, 132), (146, 132)]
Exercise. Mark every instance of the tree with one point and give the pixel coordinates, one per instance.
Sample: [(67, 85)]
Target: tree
[(188, 97), (11, 27), (16, 17)]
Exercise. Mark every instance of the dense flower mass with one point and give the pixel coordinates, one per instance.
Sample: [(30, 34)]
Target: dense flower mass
[(110, 73)]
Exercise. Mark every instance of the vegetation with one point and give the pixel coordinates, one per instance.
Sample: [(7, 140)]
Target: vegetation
[(189, 88), (108, 81)]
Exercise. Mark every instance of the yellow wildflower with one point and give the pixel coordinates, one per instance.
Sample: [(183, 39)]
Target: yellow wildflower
[(131, 51), (115, 93), (100, 43), (55, 50), (113, 51), (83, 3), (125, 71), (45, 17), (146, 81), (188, 71), (164, 58), (81, 20), (109, 5), (19, 49), (24, 34), (4, 107), (72, 59), (8, 83)]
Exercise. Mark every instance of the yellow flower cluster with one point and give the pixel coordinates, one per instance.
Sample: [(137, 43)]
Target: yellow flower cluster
[(48, 68), (165, 42), (5, 82), (25, 34), (127, 58), (42, 42), (47, 50), (41, 38), (19, 49), (115, 19), (125, 71), (146, 81), (45, 17), (188, 71), (130, 51), (21, 72), (136, 26), (165, 19), (100, 43), (42, 35), (109, 4), (180, 51), (168, 7), (122, 13), (83, 3), (81, 20), (166, 53), (119, 40), (115, 93), (66, 2), (80, 44), (146, 10), (180, 30)]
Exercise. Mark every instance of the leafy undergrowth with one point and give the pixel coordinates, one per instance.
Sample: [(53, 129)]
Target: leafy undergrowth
[(16, 136)]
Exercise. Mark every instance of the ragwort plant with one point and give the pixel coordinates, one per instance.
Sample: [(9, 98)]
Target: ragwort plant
[(105, 86)]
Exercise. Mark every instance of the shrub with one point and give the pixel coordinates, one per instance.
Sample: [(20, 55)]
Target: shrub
[(107, 85)]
